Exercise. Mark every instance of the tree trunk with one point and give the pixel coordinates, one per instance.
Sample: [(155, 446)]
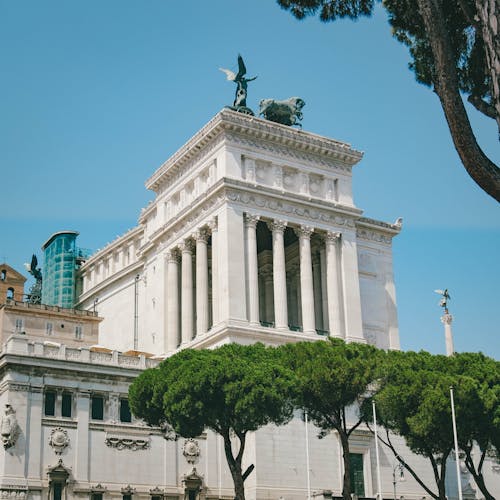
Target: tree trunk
[(480, 168), (344, 440), (488, 12), (477, 473), (235, 466)]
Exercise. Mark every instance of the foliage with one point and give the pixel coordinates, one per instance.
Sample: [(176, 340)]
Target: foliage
[(331, 377), (452, 51), (231, 390), (413, 401)]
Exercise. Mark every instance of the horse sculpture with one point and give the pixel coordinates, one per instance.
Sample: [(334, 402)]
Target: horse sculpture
[(287, 112)]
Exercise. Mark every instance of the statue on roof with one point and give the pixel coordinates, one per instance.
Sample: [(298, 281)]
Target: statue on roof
[(35, 295), (286, 112), (240, 100)]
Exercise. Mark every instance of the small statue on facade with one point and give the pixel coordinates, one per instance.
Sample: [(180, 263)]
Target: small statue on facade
[(286, 112), (9, 427), (35, 295), (240, 100)]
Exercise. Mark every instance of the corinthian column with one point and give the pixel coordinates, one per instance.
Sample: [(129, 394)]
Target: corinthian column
[(201, 238), (172, 337), (252, 268), (187, 291), (279, 275), (333, 285), (306, 279)]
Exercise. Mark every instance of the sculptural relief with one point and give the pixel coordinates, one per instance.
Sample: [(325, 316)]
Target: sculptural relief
[(9, 427)]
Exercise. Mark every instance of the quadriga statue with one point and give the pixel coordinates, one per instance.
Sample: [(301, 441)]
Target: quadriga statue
[(287, 112)]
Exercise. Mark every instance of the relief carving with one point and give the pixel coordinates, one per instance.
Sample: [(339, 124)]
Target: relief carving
[(59, 440), (9, 427)]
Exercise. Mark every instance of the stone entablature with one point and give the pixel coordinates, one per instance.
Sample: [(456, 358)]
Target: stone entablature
[(264, 132)]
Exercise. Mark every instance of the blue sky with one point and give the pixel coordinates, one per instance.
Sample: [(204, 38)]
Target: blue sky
[(95, 95)]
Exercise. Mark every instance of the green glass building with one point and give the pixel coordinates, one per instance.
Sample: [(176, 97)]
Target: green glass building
[(60, 262)]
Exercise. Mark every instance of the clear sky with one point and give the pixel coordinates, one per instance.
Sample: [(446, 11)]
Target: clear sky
[(95, 95)]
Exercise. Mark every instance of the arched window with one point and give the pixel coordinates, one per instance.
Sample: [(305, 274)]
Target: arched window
[(3, 275), (10, 294)]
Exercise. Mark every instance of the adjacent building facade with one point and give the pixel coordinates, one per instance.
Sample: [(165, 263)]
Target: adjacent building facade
[(253, 235)]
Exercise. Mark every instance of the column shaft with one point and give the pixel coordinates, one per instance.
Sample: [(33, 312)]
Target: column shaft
[(279, 275), (187, 304), (306, 280), (252, 268), (333, 285), (172, 340), (215, 270), (201, 283)]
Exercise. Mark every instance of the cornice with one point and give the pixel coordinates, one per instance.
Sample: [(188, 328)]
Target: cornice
[(110, 247), (377, 231), (227, 121), (132, 268)]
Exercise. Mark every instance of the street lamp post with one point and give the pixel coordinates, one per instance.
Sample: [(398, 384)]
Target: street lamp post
[(397, 467)]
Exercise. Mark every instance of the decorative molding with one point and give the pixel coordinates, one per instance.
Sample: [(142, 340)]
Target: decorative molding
[(13, 492), (304, 231), (277, 225), (191, 450), (59, 440), (128, 490), (251, 220), (366, 234), (127, 442)]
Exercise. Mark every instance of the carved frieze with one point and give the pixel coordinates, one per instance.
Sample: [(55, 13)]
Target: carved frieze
[(133, 443)]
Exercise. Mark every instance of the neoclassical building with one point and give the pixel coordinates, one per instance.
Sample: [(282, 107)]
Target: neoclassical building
[(253, 235)]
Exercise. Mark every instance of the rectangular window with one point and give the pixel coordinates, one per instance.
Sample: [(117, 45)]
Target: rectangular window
[(66, 404), (357, 475), (19, 325), (78, 332), (96, 496), (127, 497), (50, 404), (97, 407), (49, 327), (125, 415), (57, 488)]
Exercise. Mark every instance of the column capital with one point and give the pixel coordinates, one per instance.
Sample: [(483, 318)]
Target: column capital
[(173, 255), (304, 231), (446, 319), (251, 220), (277, 226), (202, 235), (332, 236), (186, 246)]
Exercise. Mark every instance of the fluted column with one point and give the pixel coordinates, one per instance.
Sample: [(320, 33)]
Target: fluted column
[(252, 268), (306, 279), (279, 275), (187, 291), (333, 286), (172, 340), (446, 319), (213, 225), (201, 238)]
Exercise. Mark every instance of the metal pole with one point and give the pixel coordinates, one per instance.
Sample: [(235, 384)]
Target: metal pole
[(379, 489), (457, 458), (307, 457)]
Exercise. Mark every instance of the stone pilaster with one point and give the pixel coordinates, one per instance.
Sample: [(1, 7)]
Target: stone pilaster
[(252, 268), (306, 279), (279, 275), (214, 228)]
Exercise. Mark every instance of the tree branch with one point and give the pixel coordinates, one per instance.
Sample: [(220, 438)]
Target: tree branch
[(482, 106), (480, 168)]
